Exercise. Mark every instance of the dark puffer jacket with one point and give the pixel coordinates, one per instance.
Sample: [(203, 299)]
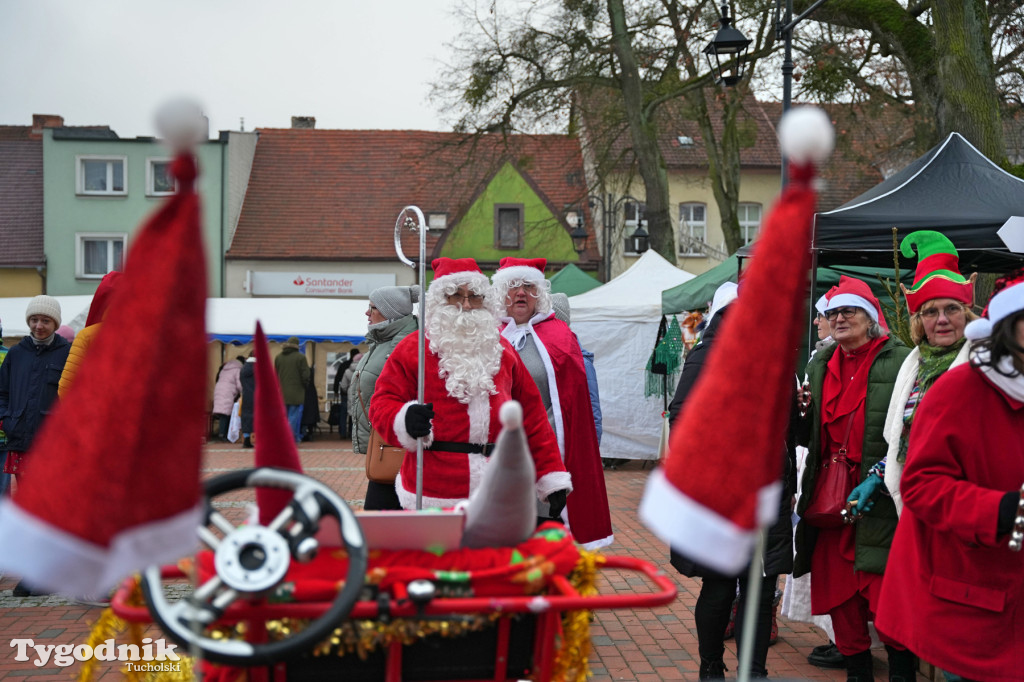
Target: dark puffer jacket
[(28, 388), (875, 530), (778, 550)]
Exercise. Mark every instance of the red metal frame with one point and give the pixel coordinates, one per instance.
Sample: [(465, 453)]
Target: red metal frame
[(548, 607)]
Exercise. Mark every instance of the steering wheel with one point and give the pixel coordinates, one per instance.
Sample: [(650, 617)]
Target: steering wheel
[(250, 560)]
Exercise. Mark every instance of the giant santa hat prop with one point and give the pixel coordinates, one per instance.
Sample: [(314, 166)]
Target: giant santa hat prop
[(275, 446), (111, 484), (708, 500)]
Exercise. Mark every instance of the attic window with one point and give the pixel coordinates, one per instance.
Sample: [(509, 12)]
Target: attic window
[(437, 221), (508, 226), (684, 141)]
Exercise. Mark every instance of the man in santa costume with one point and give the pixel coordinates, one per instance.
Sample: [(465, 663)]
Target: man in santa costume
[(470, 371), (552, 355)]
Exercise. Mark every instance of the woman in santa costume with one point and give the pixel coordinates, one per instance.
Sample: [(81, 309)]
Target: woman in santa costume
[(938, 303), (954, 589), (850, 387), (553, 356), (470, 371)]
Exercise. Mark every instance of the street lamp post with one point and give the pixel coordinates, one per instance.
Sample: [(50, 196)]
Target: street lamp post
[(784, 26)]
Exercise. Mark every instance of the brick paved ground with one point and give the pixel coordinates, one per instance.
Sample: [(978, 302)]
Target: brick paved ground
[(640, 645)]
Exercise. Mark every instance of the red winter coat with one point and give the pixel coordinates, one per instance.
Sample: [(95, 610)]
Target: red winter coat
[(953, 593), (589, 517), (447, 476)]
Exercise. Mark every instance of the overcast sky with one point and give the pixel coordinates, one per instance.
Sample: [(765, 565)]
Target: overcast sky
[(349, 63)]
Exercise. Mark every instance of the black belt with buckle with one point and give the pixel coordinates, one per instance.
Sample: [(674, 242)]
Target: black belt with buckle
[(486, 449)]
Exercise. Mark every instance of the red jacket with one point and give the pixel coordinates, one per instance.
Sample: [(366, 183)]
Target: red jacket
[(953, 592), (450, 477)]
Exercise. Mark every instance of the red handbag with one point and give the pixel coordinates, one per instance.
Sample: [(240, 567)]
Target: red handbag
[(836, 480)]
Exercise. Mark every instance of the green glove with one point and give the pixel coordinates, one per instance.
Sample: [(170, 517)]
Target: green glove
[(864, 494)]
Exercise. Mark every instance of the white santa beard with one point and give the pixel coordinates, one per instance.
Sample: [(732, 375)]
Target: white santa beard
[(468, 349)]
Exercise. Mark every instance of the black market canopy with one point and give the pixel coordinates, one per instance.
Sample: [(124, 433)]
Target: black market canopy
[(953, 189)]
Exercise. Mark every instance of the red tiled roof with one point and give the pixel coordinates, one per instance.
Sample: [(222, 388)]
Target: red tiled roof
[(21, 202), (335, 194), (866, 141)]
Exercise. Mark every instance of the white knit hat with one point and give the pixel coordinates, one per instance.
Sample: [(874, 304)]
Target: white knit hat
[(44, 305)]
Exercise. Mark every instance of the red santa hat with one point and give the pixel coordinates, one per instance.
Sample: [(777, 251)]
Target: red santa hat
[(1007, 300), (90, 510), (854, 293), (711, 506), (458, 270), (520, 270), (275, 446)]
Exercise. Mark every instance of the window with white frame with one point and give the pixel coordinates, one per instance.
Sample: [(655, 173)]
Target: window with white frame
[(693, 228), (750, 221), (102, 175), (97, 253), (159, 181), (633, 217)]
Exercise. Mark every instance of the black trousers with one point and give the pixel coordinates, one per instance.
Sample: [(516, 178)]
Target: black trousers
[(711, 615), (380, 496)]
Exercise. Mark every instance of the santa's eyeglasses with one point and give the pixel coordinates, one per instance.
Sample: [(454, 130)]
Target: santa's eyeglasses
[(473, 300)]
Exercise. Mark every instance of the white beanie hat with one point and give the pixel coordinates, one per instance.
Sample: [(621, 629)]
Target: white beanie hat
[(44, 305)]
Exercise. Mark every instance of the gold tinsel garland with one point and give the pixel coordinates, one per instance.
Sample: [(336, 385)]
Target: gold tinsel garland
[(572, 661), (363, 637), (109, 626)]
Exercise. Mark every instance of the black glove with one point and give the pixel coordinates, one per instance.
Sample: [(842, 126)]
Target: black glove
[(1007, 512), (417, 419), (556, 503)]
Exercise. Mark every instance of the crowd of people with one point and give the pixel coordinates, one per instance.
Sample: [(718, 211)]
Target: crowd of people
[(901, 464)]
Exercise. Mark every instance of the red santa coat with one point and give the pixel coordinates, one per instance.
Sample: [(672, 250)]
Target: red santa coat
[(953, 592), (586, 510), (450, 476)]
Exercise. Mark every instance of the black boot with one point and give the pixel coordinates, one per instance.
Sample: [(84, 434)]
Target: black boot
[(247, 443), (902, 665), (711, 670), (860, 667)]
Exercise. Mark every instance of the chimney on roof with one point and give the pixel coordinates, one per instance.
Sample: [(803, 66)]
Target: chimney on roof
[(40, 121), (304, 122)]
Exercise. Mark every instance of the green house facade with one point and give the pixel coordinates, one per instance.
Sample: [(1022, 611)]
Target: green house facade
[(98, 190)]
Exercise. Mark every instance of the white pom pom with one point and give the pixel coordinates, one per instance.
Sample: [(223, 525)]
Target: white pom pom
[(182, 124), (978, 329), (511, 414), (806, 135)]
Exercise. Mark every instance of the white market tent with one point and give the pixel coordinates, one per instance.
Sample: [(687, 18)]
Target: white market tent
[(618, 322), (233, 319)]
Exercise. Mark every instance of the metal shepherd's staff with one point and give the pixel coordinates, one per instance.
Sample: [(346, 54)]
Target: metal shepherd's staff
[(411, 218)]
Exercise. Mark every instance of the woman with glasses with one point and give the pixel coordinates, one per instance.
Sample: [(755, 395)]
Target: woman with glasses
[(849, 387), (955, 584), (938, 303), (391, 319)]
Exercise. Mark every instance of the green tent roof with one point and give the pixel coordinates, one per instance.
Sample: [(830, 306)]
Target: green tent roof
[(571, 281)]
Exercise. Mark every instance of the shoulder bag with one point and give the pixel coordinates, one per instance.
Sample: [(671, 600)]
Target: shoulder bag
[(382, 460), (836, 480)]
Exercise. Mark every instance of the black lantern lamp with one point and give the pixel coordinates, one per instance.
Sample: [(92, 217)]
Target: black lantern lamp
[(730, 46), (578, 235), (639, 241)]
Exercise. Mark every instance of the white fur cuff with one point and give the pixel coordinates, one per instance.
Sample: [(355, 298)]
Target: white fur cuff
[(549, 483), (404, 439)]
